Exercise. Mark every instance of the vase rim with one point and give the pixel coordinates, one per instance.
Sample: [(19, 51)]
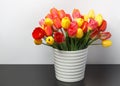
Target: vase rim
[(70, 51)]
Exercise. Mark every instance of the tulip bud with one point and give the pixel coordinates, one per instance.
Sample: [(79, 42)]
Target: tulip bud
[(106, 43), (91, 14), (99, 19), (65, 22), (38, 42), (79, 21), (79, 33), (49, 40), (48, 21)]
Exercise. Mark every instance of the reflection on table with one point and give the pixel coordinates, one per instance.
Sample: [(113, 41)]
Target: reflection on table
[(79, 83)]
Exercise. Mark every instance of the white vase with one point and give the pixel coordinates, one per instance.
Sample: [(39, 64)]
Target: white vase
[(70, 65)]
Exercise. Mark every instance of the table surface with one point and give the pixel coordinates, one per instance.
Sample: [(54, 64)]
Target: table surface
[(43, 75)]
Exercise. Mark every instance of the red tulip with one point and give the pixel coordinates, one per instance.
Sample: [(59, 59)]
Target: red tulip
[(76, 13), (103, 26), (94, 33), (72, 30), (38, 33), (59, 37), (104, 35), (84, 27)]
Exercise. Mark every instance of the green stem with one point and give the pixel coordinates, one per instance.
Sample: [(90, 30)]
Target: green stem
[(45, 44), (96, 44), (72, 44), (76, 41), (92, 40)]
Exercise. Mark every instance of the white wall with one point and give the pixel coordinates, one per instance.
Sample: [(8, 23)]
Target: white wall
[(19, 17)]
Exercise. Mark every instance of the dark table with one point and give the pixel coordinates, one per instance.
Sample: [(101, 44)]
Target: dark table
[(43, 75)]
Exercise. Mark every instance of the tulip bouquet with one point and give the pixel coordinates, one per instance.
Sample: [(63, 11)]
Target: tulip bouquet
[(67, 32)]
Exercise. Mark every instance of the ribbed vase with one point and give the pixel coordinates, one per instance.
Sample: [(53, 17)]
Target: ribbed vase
[(70, 65)]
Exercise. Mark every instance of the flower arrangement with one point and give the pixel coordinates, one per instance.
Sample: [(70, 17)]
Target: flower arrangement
[(62, 31)]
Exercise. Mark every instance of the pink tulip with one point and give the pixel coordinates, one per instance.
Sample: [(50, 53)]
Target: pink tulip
[(42, 22)]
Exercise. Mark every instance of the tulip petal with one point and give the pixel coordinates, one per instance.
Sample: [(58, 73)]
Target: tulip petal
[(104, 35), (38, 33), (76, 13), (106, 43)]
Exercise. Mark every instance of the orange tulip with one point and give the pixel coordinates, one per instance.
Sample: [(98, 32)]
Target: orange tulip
[(48, 30), (57, 23), (76, 13), (61, 14), (49, 16), (54, 13)]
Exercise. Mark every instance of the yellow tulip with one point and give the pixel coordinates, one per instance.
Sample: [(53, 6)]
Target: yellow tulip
[(79, 21), (86, 17), (79, 33), (99, 19), (49, 40), (65, 22), (106, 43), (91, 14), (48, 21), (38, 42)]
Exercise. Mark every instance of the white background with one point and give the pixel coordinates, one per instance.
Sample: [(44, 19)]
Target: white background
[(19, 17)]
